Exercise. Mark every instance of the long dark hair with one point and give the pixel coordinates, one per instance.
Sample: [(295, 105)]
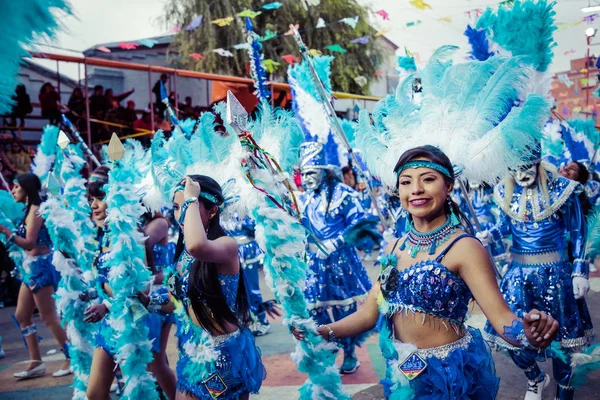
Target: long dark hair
[(204, 291), (330, 179), (437, 156), (32, 186)]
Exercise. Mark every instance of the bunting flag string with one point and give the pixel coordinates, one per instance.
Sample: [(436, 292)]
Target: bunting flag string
[(420, 4)]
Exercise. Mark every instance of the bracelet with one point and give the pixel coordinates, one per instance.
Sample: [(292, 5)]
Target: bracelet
[(184, 208), (331, 337)]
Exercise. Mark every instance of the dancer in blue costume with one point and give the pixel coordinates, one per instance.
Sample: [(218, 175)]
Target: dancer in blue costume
[(40, 278), (335, 280), (104, 364), (542, 213), (159, 259), (427, 281), (251, 258), (213, 302)]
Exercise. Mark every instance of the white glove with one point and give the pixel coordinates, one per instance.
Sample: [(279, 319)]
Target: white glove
[(328, 246), (580, 286), (485, 238)]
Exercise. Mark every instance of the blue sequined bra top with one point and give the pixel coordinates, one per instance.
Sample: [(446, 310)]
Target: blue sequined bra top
[(162, 255), (179, 284), (43, 239), (426, 287)]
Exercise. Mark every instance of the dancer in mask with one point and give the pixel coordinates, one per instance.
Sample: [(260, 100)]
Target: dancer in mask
[(541, 211), (336, 279)]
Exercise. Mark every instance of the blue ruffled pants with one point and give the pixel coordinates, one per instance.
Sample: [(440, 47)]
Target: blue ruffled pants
[(39, 272)]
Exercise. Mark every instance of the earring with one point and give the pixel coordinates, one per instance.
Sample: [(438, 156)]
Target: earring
[(454, 221)]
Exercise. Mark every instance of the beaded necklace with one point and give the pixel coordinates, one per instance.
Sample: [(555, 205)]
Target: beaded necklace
[(417, 242)]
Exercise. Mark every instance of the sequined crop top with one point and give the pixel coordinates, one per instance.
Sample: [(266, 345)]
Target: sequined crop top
[(426, 287), (100, 262), (43, 239), (179, 284)]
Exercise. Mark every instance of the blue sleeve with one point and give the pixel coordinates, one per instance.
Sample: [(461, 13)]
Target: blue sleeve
[(577, 229)]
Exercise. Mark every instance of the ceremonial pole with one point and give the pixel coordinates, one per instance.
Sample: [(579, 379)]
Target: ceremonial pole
[(336, 124)]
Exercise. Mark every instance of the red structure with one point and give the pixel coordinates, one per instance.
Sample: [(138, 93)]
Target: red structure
[(574, 90)]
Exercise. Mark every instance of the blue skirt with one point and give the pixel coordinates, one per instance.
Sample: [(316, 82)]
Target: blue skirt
[(338, 280), (549, 288), (239, 367), (39, 272), (457, 371)]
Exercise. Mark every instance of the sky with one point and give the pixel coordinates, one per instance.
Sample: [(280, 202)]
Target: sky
[(105, 21)]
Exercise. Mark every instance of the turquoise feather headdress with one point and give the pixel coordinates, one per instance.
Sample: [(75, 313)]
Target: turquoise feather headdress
[(468, 110)]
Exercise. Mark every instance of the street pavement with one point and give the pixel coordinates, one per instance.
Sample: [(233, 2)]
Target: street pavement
[(283, 380)]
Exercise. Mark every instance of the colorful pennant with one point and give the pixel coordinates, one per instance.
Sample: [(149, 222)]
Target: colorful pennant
[(361, 40), (223, 53), (197, 56), (196, 21), (270, 65), (420, 4), (445, 19), (290, 32), (383, 14), (336, 48), (222, 21), (350, 21), (361, 81), (249, 14), (321, 23), (290, 59), (268, 36), (103, 49), (272, 6), (128, 46), (147, 42)]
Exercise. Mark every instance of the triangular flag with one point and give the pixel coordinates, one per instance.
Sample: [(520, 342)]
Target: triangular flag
[(63, 140), (268, 36), (383, 14), (115, 148), (272, 6), (361, 40), (315, 52), (147, 42), (196, 21), (420, 4), (336, 48), (350, 21), (128, 46), (290, 32), (290, 59), (321, 23), (197, 56), (361, 81), (222, 21), (223, 52), (103, 48), (242, 46), (270, 65), (379, 73), (249, 13)]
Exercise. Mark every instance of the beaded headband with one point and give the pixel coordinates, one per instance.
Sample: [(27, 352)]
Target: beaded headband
[(425, 164), (204, 195)]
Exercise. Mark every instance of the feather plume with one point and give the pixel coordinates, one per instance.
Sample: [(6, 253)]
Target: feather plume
[(480, 48), (526, 28), (433, 72), (592, 249), (23, 23), (46, 152)]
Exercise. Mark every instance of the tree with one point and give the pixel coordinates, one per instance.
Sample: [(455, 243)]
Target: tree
[(359, 60)]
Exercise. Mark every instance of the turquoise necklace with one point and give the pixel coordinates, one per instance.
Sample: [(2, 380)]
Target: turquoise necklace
[(417, 242)]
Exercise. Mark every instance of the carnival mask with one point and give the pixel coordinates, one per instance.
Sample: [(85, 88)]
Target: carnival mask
[(312, 178), (526, 177)]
